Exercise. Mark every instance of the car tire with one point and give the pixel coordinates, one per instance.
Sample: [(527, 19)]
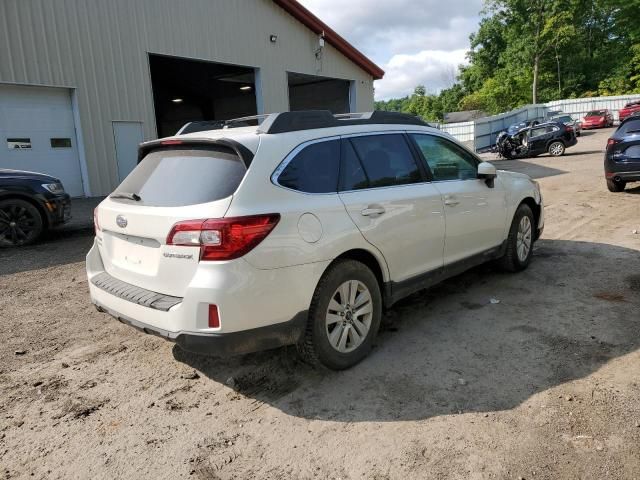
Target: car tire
[(20, 223), (519, 248), (556, 149), (614, 186), (339, 334)]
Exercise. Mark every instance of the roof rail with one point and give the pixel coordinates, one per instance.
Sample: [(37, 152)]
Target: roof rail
[(205, 125), (200, 126), (305, 120), (311, 119)]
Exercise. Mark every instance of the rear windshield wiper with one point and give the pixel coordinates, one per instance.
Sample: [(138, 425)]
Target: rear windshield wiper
[(128, 196)]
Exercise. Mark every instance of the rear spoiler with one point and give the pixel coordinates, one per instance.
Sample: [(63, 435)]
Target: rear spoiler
[(239, 149)]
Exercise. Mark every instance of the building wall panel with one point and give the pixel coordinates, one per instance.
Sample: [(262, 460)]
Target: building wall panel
[(100, 48)]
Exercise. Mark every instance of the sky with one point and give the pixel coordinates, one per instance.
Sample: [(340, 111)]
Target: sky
[(416, 42)]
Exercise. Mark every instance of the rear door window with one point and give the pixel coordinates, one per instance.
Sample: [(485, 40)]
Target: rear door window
[(352, 176), (184, 176), (386, 159), (314, 169)]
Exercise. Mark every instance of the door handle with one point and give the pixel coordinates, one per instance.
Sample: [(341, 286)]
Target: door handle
[(451, 201), (372, 211)]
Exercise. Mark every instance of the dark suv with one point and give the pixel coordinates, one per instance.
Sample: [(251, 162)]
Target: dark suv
[(549, 137), (30, 203), (622, 157)]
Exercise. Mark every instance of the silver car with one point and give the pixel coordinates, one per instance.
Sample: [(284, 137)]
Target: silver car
[(569, 121)]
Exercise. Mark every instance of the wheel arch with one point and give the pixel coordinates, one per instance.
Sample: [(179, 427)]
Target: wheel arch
[(376, 264), (536, 209), (561, 140), (32, 201)]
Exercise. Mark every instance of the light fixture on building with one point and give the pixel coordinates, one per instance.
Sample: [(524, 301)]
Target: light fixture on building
[(177, 100), (245, 88), (318, 51), (273, 38)]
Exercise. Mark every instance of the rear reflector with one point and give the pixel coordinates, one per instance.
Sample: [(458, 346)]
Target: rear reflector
[(214, 317), (223, 238)]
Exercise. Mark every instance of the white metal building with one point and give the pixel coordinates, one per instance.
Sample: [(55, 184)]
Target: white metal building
[(82, 82)]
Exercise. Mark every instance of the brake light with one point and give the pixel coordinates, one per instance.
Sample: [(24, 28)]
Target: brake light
[(171, 142), (569, 128), (223, 238), (612, 141), (96, 224)]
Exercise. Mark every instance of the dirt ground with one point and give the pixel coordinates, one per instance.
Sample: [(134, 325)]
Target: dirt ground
[(543, 385)]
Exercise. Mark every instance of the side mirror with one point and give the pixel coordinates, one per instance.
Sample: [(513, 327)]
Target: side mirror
[(487, 171)]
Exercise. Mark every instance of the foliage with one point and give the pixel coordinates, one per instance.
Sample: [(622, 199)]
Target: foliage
[(528, 51)]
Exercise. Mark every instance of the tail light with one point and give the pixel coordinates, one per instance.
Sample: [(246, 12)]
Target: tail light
[(612, 141), (569, 128), (223, 238), (96, 224)]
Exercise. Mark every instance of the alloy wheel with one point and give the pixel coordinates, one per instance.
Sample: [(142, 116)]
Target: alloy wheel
[(17, 224), (349, 316), (523, 244), (556, 149)]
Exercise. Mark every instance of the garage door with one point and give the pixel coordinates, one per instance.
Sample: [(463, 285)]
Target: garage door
[(37, 133)]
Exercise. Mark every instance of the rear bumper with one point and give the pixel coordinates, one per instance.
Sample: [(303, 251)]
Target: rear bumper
[(259, 309), (630, 176), (223, 344), (624, 169), (572, 141)]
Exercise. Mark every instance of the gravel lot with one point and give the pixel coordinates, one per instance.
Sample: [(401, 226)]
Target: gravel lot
[(544, 384)]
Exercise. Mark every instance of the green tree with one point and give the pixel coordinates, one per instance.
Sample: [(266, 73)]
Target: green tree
[(540, 50)]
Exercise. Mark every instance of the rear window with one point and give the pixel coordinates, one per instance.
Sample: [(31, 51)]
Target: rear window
[(596, 113), (188, 176), (314, 169), (632, 126)]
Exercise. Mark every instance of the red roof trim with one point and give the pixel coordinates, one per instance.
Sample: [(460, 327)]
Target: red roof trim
[(317, 26)]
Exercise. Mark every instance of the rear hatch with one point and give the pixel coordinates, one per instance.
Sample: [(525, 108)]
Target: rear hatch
[(629, 151), (169, 185), (626, 149)]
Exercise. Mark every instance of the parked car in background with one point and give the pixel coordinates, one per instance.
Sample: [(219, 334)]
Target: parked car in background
[(516, 127), (300, 231), (549, 137), (622, 157), (30, 203), (569, 121), (629, 109), (597, 119)]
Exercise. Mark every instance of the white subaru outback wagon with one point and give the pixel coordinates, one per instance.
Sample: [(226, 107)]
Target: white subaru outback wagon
[(300, 230)]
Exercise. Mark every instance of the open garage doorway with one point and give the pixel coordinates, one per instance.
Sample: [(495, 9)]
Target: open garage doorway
[(187, 90), (309, 92)]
